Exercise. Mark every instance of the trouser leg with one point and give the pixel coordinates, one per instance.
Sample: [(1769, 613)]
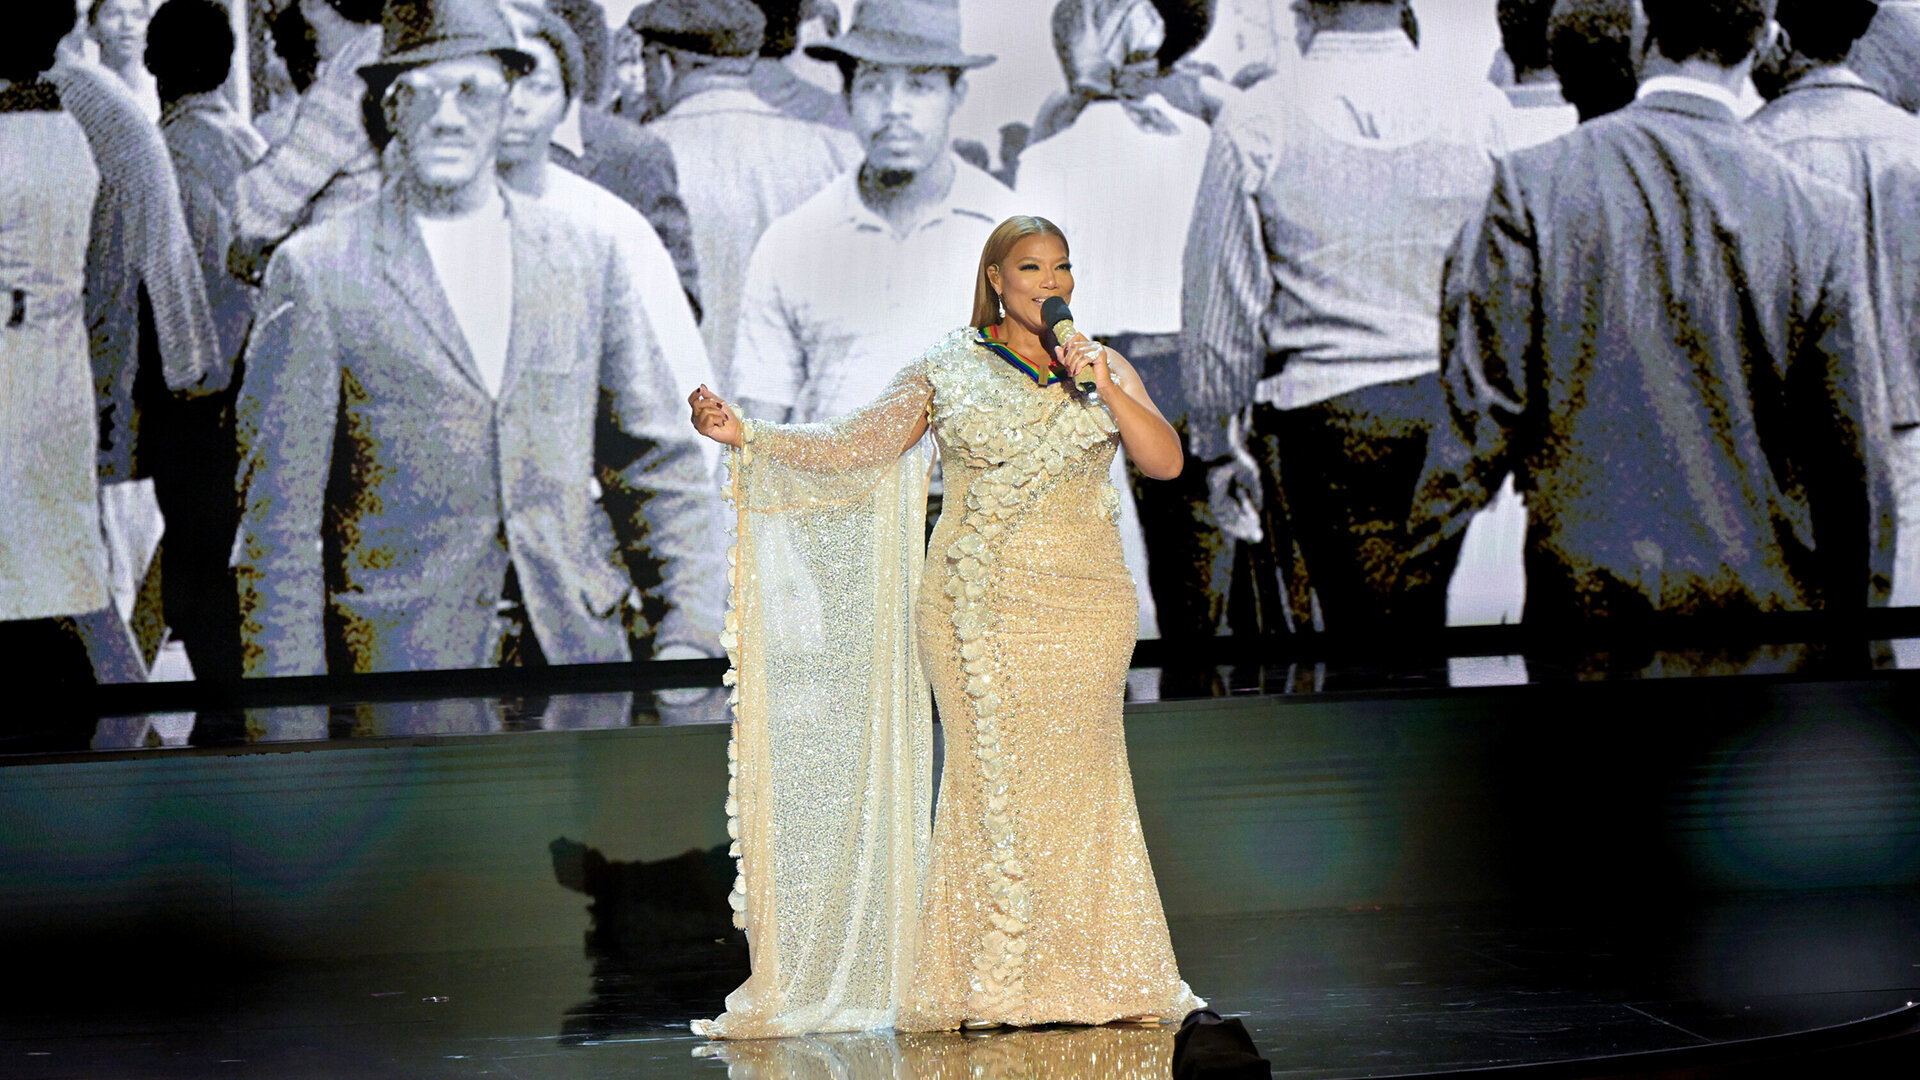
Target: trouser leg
[(1351, 465), (1906, 492)]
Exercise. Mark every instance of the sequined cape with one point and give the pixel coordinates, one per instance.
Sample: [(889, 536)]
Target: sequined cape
[(1032, 901)]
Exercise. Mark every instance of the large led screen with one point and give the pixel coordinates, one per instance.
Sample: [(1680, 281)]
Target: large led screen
[(1467, 312)]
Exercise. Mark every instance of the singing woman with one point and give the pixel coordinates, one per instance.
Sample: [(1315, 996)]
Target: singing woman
[(1033, 901)]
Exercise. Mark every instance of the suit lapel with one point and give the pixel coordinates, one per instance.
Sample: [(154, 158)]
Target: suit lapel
[(408, 268)]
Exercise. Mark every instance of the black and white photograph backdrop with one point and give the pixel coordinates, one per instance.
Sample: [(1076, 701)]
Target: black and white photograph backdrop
[(1454, 303)]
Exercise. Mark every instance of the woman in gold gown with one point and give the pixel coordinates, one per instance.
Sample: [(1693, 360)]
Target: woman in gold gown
[(1033, 902)]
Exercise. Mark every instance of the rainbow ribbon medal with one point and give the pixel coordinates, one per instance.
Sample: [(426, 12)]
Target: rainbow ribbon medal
[(1040, 376)]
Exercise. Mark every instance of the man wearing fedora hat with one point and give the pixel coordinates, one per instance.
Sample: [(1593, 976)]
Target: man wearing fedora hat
[(426, 387), (902, 233), (742, 162)]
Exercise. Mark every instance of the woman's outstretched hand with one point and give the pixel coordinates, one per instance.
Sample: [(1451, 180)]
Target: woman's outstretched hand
[(712, 418)]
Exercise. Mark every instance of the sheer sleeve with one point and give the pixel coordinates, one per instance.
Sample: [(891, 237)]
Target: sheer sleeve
[(830, 789), (838, 458)]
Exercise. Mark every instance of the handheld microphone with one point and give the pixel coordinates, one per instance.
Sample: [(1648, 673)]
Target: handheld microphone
[(1058, 320)]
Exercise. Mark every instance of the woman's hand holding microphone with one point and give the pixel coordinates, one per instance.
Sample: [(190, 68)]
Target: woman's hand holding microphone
[(1077, 353)]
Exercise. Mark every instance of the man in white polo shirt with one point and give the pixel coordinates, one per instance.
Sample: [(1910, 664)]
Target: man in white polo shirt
[(859, 280)]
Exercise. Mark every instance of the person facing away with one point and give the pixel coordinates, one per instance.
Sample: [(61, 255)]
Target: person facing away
[(1596, 47), (119, 28), (906, 226), (325, 163), (297, 52), (1313, 265), (1035, 902), (191, 450), (1888, 54), (53, 564), (1662, 328), (425, 390), (618, 156), (539, 104), (1540, 111), (151, 336), (190, 54), (743, 164), (774, 80), (1125, 149), (1489, 582), (1827, 119)]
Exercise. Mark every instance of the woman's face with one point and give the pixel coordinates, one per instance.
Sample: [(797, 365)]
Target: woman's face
[(537, 103), (120, 29), (1036, 269), (629, 71)]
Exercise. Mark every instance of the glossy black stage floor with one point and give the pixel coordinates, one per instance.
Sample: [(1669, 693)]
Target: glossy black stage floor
[(1390, 879)]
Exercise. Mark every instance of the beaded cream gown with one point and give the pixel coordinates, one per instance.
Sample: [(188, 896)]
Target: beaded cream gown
[(1032, 901)]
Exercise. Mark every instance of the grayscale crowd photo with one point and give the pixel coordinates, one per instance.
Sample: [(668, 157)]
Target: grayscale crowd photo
[(350, 336)]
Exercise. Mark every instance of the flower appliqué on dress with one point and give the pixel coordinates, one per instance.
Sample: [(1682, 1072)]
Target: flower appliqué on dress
[(1023, 441), (730, 641)]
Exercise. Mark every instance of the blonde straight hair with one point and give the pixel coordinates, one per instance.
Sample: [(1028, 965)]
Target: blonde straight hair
[(986, 302)]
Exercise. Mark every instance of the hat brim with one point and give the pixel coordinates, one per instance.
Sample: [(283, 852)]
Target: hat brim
[(876, 52), (388, 67)]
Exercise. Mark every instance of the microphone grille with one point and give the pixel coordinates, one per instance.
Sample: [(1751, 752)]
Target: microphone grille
[(1054, 310)]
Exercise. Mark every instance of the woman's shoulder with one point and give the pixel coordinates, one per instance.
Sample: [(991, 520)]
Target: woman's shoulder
[(958, 345)]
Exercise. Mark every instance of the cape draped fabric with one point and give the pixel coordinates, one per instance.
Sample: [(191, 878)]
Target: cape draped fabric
[(829, 796), (1038, 904)]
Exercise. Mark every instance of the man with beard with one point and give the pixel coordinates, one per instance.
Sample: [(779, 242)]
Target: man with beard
[(902, 232), (425, 389)]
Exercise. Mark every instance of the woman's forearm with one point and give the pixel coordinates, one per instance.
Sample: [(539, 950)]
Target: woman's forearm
[(1152, 444)]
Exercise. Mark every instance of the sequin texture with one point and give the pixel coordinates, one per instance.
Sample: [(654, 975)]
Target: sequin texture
[(1039, 905)]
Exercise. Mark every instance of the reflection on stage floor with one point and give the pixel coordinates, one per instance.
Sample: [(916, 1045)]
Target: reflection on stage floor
[(1379, 883), (1325, 995)]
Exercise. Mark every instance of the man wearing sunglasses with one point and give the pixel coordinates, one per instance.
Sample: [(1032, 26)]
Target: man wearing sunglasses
[(435, 391)]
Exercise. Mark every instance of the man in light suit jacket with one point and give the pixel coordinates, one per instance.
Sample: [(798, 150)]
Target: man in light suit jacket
[(1663, 329), (435, 379)]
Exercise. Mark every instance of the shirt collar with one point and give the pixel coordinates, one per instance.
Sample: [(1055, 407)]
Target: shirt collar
[(567, 134), (728, 93), (1684, 84), (1359, 45), (1831, 77), (964, 196), (1538, 95)]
